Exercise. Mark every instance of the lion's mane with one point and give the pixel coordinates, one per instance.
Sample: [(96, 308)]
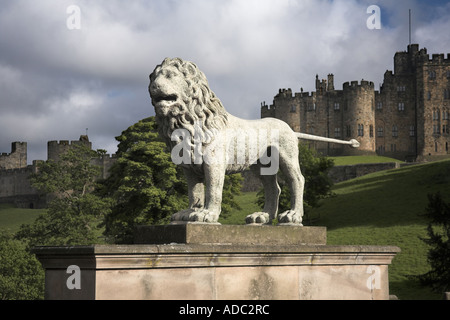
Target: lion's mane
[(199, 111)]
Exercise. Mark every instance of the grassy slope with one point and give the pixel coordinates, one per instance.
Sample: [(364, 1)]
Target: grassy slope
[(12, 218)]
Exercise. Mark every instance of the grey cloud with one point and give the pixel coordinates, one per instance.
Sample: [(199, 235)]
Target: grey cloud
[(55, 82)]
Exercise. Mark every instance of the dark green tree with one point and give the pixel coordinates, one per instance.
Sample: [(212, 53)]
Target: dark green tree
[(74, 211), (315, 168), (144, 183), (438, 231), (21, 274), (146, 186)]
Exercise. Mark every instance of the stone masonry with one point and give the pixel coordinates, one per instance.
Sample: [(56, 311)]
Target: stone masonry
[(15, 185), (407, 119)]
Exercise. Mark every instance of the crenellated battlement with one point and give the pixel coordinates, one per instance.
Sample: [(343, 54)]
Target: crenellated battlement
[(15, 186), (355, 84), (284, 93), (17, 158), (56, 148)]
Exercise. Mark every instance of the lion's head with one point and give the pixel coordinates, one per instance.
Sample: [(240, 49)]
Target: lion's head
[(182, 99)]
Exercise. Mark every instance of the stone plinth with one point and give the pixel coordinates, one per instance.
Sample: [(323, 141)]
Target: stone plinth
[(216, 271), (201, 233)]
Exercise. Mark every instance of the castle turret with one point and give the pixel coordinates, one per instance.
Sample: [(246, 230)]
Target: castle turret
[(359, 114), (55, 148), (16, 159), (330, 82)]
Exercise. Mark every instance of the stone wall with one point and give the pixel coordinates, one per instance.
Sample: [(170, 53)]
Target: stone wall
[(15, 186), (343, 173)]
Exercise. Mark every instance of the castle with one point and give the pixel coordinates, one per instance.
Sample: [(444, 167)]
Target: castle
[(407, 119), (15, 185)]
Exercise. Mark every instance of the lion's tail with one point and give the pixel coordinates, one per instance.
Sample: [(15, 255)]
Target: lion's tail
[(353, 142)]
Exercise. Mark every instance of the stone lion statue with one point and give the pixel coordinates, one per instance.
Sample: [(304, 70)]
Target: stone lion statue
[(208, 143)]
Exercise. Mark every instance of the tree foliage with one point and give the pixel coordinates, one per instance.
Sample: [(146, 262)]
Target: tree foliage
[(438, 231), (21, 275), (74, 211), (318, 184), (144, 183)]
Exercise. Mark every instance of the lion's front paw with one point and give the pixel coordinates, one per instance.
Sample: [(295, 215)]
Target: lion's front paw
[(197, 215), (204, 215), (258, 217), (290, 216)]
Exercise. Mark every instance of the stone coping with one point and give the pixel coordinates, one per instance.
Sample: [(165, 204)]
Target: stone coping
[(210, 255), (207, 248)]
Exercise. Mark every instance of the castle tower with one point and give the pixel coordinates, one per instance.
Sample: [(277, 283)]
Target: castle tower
[(359, 114), (330, 82), (16, 159), (55, 148)]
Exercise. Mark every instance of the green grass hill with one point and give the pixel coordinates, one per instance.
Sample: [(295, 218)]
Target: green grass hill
[(11, 218)]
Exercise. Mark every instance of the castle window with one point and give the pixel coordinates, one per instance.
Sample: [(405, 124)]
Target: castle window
[(393, 147), (436, 129), (435, 147), (401, 106), (348, 131), (412, 131), (428, 95), (431, 75), (336, 106), (447, 94), (379, 105), (293, 108), (448, 74), (445, 115), (337, 132), (401, 89), (436, 114), (395, 131), (360, 130), (445, 129), (380, 132), (371, 131)]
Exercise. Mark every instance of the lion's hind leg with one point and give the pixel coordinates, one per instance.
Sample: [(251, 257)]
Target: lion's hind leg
[(290, 166), (271, 195)]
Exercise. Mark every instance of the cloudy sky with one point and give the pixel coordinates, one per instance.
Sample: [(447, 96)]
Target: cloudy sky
[(63, 71)]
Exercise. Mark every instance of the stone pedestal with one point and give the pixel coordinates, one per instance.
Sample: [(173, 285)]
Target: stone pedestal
[(236, 270)]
